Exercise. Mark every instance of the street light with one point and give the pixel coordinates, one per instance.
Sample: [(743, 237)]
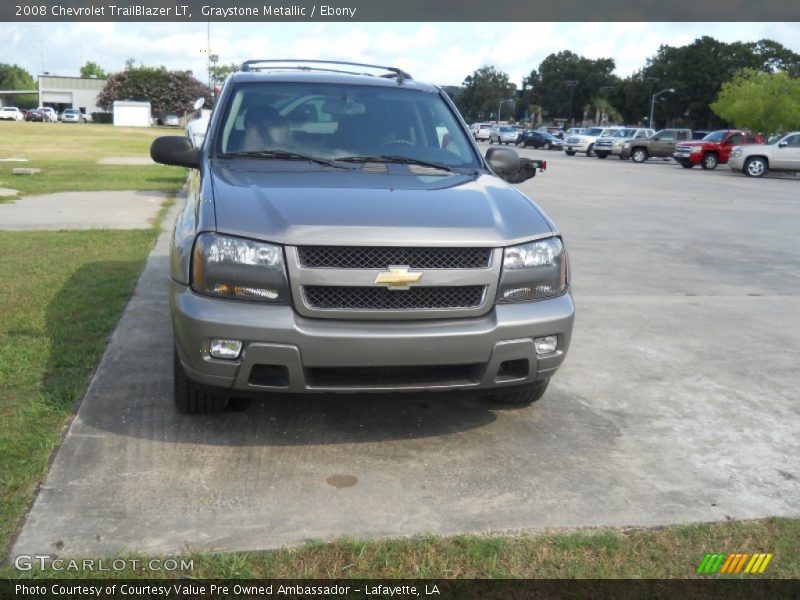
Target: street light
[(499, 106), (653, 103), (571, 83)]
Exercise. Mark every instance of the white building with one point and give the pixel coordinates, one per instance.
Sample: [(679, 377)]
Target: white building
[(70, 92), (132, 113)]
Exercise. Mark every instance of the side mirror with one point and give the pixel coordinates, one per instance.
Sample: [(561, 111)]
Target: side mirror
[(782, 144), (508, 165), (504, 161), (198, 104), (175, 150)]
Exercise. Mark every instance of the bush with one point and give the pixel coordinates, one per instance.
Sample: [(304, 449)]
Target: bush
[(102, 117)]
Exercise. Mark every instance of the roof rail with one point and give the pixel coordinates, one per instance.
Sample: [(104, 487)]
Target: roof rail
[(256, 65)]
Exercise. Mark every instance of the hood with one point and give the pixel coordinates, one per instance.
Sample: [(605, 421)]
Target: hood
[(355, 208)]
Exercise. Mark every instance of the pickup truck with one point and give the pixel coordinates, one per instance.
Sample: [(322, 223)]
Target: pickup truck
[(714, 149), (660, 145)]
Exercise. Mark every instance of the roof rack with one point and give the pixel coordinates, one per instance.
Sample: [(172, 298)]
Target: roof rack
[(260, 65)]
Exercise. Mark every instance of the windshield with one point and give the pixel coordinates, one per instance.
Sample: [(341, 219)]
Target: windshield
[(623, 133), (593, 131), (715, 136), (334, 121)]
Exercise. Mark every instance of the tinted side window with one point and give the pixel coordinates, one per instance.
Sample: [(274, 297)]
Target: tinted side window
[(735, 139), (666, 136), (793, 141)]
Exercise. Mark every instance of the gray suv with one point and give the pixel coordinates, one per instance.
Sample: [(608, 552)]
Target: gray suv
[(343, 233)]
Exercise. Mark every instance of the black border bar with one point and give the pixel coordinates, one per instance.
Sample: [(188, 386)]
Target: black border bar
[(399, 10)]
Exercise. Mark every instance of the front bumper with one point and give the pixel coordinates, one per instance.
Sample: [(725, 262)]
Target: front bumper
[(736, 163), (283, 351), (577, 147)]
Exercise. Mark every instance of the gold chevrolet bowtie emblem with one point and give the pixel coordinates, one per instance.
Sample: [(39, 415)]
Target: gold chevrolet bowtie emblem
[(397, 278)]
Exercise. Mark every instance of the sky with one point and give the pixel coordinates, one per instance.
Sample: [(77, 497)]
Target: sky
[(441, 53)]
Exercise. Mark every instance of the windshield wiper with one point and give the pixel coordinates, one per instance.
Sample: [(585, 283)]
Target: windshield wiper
[(395, 158), (280, 154)]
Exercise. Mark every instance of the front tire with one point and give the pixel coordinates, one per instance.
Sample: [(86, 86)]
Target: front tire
[(190, 399), (755, 167), (639, 155), (569, 152), (601, 154), (590, 151), (687, 165), (710, 162), (522, 396)]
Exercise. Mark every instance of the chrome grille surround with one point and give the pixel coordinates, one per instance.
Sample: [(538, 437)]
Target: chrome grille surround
[(441, 293)]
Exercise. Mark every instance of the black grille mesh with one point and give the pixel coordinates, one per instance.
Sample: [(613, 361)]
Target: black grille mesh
[(365, 257), (369, 298)]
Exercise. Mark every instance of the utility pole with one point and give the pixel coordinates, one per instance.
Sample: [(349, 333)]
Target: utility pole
[(571, 83), (653, 104)]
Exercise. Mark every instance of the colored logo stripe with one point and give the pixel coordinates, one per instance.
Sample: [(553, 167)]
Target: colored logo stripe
[(734, 563)]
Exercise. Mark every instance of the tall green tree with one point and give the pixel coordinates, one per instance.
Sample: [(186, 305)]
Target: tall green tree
[(482, 93), (14, 77), (92, 69), (762, 102), (167, 91), (697, 72), (565, 83)]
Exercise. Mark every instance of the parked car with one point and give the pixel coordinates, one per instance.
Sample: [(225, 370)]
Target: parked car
[(11, 113), (539, 139), (714, 149), (48, 113), (72, 115), (503, 134), (755, 160), (344, 270), (196, 130), (480, 131), (660, 145), (612, 145), (584, 142), (171, 121), (554, 131), (573, 131)]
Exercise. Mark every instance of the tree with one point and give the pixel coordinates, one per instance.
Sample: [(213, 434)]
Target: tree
[(762, 102), (698, 70), (14, 77), (483, 91), (565, 83), (167, 91), (92, 69), (220, 72)]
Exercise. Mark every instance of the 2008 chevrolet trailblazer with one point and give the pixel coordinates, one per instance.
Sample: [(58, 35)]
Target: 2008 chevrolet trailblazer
[(343, 233)]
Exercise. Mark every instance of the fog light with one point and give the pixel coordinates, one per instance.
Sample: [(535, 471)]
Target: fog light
[(225, 348), (546, 344)]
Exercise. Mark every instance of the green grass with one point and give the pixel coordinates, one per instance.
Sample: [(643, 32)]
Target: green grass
[(67, 155), (62, 294), (673, 552)]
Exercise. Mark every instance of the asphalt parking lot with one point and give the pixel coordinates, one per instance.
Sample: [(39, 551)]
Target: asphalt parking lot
[(678, 402)]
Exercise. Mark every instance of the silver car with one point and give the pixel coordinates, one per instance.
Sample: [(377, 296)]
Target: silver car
[(755, 160), (503, 134), (343, 233)]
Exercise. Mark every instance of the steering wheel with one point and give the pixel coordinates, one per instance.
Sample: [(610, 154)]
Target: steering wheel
[(398, 143)]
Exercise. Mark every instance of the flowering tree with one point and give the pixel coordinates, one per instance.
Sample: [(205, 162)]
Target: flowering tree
[(167, 91)]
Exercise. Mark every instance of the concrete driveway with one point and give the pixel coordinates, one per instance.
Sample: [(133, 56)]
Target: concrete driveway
[(678, 402), (82, 210)]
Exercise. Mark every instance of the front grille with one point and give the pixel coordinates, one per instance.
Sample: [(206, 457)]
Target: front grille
[(366, 257), (573, 140), (376, 298)]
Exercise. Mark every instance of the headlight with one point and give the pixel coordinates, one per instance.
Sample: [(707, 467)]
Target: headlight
[(696, 150), (737, 151), (239, 269), (533, 271), (627, 144)]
